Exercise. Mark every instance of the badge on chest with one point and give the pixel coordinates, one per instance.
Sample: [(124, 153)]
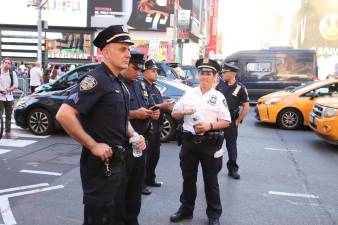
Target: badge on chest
[(212, 100)]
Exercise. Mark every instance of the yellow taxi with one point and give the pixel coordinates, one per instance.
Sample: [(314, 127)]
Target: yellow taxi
[(324, 119), (290, 109)]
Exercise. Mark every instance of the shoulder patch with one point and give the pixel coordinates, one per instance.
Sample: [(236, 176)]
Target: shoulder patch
[(88, 83), (225, 103)]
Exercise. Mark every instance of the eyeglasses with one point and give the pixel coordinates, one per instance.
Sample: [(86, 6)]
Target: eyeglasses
[(6, 62)]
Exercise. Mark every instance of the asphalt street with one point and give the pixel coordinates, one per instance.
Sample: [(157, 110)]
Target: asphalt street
[(287, 178)]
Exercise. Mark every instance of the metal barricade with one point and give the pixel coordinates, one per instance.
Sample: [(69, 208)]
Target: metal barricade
[(23, 87)]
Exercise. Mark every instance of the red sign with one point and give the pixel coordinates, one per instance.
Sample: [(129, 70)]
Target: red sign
[(213, 27)]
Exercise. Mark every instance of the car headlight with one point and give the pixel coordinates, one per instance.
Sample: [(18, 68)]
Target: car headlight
[(272, 101), (21, 102), (330, 112)]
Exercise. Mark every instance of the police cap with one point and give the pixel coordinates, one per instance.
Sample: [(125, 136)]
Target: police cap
[(150, 64), (112, 34), (227, 67), (137, 59), (208, 65)]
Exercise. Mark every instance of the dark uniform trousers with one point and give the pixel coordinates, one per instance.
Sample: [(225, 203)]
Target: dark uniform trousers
[(102, 202), (153, 153), (135, 174), (190, 156), (230, 135)]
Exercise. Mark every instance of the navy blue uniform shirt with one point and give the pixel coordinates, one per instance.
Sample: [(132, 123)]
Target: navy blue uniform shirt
[(235, 94), (156, 96), (139, 97), (103, 103)]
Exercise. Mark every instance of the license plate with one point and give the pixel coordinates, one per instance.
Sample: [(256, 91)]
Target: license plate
[(312, 119)]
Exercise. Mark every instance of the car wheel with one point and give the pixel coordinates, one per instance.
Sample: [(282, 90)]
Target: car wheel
[(290, 119), (168, 128), (40, 122)]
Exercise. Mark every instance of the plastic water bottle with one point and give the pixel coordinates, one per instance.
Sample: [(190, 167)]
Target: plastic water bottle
[(134, 140)]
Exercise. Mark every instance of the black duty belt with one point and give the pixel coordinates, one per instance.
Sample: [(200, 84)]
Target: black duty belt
[(215, 137)]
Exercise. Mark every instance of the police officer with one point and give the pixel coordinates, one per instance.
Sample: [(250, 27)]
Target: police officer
[(140, 116), (96, 115), (235, 94), (205, 114), (153, 146)]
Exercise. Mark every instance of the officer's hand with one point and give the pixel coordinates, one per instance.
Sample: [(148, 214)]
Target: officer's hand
[(143, 113), (142, 143), (102, 150), (189, 111), (168, 105), (237, 122), (201, 127), (155, 114)]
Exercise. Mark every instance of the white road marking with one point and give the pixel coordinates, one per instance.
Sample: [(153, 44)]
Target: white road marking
[(23, 135), (5, 208), (293, 194), (16, 142), (3, 151), (281, 150), (6, 212), (23, 187), (41, 172), (33, 191)]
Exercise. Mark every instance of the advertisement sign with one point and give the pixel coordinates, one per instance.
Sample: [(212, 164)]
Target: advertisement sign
[(315, 25), (213, 27), (183, 17), (138, 14), (103, 13), (68, 45), (71, 13)]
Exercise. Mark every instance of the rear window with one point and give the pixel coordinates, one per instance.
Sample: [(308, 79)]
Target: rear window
[(289, 67)]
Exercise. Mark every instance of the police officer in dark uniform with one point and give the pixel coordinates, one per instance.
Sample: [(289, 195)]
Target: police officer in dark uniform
[(236, 95), (205, 114), (96, 115), (154, 142), (140, 116)]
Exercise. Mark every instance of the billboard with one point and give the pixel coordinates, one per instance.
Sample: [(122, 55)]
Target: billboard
[(213, 27), (138, 14), (66, 13), (315, 25)]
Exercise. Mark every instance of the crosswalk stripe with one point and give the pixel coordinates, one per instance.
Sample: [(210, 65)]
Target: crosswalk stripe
[(16, 142), (3, 151)]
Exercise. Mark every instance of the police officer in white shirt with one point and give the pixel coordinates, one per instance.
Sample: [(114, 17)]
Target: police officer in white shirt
[(35, 76), (8, 83), (205, 113)]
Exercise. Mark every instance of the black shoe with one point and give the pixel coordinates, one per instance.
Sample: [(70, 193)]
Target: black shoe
[(154, 184), (234, 175), (146, 191), (214, 221), (179, 216)]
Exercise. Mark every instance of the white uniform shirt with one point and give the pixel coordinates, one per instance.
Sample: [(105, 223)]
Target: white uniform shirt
[(5, 82), (209, 107), (35, 75)]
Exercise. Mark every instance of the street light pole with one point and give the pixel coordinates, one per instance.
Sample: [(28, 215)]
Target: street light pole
[(40, 4)]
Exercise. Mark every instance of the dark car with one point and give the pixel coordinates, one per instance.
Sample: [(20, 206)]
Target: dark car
[(37, 111), (270, 70), (71, 77)]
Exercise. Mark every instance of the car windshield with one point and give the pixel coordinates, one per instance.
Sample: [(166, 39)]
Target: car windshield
[(302, 86), (179, 72)]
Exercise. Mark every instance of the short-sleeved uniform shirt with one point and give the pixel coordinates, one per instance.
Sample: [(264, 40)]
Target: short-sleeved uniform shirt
[(139, 97), (157, 97), (210, 107), (235, 94), (103, 103)]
